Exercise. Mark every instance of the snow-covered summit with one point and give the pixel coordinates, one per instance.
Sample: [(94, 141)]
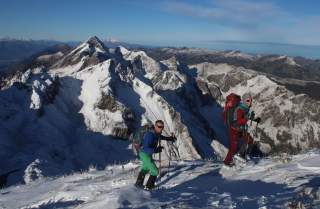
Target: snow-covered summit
[(91, 52), (96, 42)]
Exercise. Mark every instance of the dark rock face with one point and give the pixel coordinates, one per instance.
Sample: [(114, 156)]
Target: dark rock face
[(122, 133), (107, 102)]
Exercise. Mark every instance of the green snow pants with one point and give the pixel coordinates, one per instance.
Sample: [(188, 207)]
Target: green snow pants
[(148, 164)]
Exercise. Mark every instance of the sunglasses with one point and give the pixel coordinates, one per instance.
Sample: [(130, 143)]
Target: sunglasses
[(160, 127)]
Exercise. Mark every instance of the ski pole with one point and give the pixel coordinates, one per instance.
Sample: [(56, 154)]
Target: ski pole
[(169, 162), (251, 117), (256, 133), (170, 152), (160, 161)]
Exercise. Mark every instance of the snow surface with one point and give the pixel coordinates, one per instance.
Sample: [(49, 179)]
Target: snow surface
[(268, 183), (95, 84)]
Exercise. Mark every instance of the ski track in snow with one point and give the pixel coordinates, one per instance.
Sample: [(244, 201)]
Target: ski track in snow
[(269, 183)]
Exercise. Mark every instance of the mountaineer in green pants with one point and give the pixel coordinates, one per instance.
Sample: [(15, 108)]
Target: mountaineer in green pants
[(149, 146)]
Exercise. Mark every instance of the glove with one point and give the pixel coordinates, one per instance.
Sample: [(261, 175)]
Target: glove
[(158, 149), (173, 137), (258, 120)]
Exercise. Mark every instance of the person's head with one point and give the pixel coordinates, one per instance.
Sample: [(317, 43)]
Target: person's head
[(247, 99), (158, 126)]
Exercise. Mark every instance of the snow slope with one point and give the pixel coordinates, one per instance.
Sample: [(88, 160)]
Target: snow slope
[(81, 111), (287, 182)]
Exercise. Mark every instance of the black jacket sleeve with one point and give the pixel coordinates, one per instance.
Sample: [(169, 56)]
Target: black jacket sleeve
[(167, 138)]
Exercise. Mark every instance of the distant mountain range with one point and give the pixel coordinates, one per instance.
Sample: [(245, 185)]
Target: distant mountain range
[(299, 74), (13, 51)]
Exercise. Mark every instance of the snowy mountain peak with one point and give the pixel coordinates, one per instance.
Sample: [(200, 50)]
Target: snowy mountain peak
[(94, 41), (290, 61), (89, 53), (123, 50), (92, 45)]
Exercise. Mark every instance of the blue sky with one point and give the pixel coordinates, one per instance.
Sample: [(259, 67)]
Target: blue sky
[(163, 22)]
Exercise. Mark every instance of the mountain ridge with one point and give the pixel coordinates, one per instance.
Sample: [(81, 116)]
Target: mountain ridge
[(92, 98)]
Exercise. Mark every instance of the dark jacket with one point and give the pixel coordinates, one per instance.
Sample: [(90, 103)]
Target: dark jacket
[(151, 140)]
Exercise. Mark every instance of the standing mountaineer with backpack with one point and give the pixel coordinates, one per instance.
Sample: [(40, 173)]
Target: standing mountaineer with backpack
[(236, 116), (136, 137), (150, 146)]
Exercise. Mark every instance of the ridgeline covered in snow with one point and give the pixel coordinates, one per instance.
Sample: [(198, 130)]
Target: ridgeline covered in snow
[(77, 113)]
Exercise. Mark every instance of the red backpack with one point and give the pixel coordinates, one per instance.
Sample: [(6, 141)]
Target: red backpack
[(232, 103)]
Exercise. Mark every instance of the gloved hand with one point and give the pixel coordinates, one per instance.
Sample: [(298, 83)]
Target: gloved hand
[(173, 137), (158, 149), (258, 120)]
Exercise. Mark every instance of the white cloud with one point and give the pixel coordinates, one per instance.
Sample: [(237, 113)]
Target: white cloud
[(228, 12), (252, 20)]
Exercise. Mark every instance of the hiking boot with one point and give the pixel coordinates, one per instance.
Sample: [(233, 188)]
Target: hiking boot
[(151, 182), (140, 180)]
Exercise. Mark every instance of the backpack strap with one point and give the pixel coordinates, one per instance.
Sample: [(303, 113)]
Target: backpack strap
[(235, 116)]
